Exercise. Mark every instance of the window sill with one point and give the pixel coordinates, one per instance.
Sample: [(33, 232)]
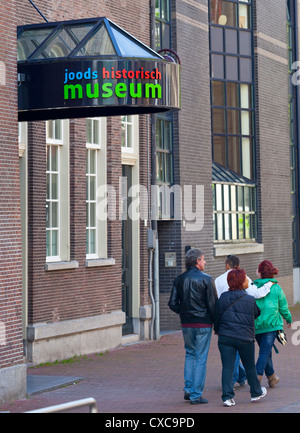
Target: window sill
[(238, 248), (59, 266), (93, 263)]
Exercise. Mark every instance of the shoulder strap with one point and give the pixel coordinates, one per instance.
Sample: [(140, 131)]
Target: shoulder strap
[(233, 304)]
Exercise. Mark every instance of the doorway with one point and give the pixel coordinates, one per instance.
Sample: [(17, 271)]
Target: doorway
[(127, 251)]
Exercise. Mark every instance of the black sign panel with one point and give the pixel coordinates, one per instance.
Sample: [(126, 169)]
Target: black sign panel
[(61, 89)]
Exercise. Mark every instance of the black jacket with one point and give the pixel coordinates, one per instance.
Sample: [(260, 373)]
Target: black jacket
[(235, 315), (194, 297)]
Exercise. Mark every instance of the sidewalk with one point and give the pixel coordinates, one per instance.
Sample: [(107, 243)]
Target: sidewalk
[(147, 377)]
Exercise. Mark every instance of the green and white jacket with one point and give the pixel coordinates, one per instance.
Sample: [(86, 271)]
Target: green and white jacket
[(274, 308)]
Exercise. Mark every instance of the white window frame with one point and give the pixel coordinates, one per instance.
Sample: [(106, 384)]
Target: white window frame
[(130, 151), (63, 200), (97, 123), (101, 173), (126, 123), (50, 139), (22, 137)]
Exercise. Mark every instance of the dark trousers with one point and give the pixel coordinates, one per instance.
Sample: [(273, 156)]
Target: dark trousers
[(228, 347)]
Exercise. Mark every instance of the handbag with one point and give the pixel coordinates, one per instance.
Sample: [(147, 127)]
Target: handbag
[(281, 337)]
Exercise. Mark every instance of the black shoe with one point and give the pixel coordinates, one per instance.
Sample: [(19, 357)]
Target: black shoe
[(199, 400), (186, 395)]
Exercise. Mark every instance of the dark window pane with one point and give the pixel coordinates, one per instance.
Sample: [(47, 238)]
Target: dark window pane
[(218, 93), (159, 133), (158, 36), (169, 168), (168, 144), (231, 45), (234, 155), (160, 166), (219, 150), (233, 95), (165, 36), (245, 70), (231, 68), (216, 39), (233, 122), (245, 43), (157, 8), (217, 63), (165, 10), (218, 120)]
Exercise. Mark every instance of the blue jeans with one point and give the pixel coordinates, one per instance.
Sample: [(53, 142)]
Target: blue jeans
[(196, 344), (264, 362)]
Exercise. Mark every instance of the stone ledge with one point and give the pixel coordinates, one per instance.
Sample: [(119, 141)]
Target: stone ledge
[(44, 331), (50, 342), (93, 263), (59, 266), (238, 248)]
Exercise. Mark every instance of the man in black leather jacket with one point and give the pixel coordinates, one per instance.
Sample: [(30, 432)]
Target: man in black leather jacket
[(194, 297)]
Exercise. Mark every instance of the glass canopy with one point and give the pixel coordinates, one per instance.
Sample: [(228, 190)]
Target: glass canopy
[(224, 175), (90, 38)]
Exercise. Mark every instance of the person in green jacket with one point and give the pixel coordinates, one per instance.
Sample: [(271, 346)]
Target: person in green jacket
[(274, 308)]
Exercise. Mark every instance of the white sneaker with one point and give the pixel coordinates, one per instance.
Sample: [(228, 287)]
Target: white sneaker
[(229, 402), (264, 393)]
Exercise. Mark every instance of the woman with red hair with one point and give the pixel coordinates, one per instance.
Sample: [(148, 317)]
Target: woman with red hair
[(234, 324), (274, 308)]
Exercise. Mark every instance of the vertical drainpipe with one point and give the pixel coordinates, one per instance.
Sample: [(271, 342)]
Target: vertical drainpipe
[(297, 103), (153, 182)]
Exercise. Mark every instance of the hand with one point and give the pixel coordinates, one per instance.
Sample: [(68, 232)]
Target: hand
[(289, 325)]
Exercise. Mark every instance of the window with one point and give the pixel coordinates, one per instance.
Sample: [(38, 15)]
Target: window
[(164, 123), (52, 201), (57, 197), (54, 131), (162, 24), (127, 133), (164, 166), (96, 230), (228, 13), (232, 126), (91, 201), (164, 150), (234, 212), (93, 132), (232, 113)]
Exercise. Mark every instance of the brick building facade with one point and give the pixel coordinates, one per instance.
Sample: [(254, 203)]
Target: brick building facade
[(193, 142), (79, 303)]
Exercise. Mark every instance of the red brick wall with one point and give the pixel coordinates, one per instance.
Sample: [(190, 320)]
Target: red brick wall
[(11, 345), (82, 292)]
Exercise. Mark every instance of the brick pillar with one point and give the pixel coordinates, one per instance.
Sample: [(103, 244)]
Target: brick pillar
[(12, 367)]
